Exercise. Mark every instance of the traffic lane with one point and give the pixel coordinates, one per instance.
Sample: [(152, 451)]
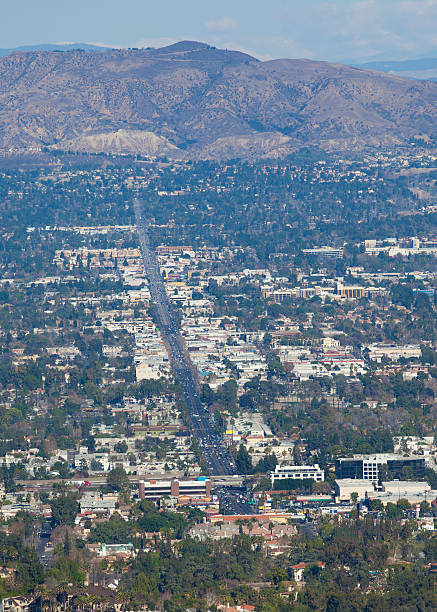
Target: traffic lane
[(222, 464)]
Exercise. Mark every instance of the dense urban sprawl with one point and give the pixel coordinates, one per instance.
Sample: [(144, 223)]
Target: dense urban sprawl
[(305, 296)]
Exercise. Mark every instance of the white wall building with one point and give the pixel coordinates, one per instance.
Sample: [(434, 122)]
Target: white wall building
[(394, 352), (297, 472)]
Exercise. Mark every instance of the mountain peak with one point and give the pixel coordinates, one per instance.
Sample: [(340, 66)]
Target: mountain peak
[(184, 46)]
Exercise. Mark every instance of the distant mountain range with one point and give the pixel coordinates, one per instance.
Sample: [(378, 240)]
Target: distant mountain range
[(425, 68), (55, 47), (193, 100)]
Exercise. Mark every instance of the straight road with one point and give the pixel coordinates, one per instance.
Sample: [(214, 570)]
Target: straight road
[(217, 456)]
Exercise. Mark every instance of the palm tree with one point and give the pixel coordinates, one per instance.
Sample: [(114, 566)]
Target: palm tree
[(123, 598), (64, 590), (39, 593), (95, 600), (47, 599), (105, 604), (5, 551), (82, 602)]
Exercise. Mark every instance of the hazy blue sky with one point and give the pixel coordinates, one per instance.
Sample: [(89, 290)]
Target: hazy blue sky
[(335, 30)]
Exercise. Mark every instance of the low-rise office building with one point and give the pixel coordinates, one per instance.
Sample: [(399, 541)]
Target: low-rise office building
[(297, 472), (393, 351), (387, 491), (368, 467), (344, 489), (154, 489)]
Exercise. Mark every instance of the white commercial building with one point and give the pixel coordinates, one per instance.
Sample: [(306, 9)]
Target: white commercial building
[(297, 472), (393, 351), (388, 491), (345, 487)]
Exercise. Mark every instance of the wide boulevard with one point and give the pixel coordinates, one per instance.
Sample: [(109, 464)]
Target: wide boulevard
[(215, 454)]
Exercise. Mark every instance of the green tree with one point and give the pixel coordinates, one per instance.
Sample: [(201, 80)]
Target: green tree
[(29, 569), (64, 509), (243, 461), (114, 531), (375, 505), (393, 511), (117, 479), (67, 570), (121, 447)]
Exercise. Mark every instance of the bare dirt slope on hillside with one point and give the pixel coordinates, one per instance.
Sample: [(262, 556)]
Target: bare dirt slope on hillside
[(192, 100)]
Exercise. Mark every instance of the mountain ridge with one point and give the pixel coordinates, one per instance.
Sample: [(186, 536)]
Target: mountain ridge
[(63, 47), (199, 101), (418, 69)]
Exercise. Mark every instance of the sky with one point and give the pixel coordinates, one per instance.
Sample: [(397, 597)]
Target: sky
[(333, 30)]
